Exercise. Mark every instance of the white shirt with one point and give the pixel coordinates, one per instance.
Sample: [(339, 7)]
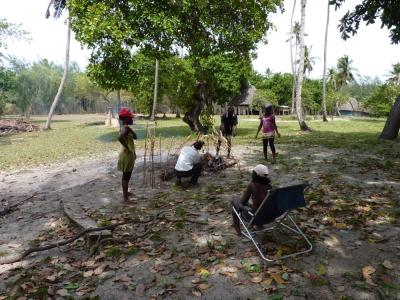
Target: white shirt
[(188, 157)]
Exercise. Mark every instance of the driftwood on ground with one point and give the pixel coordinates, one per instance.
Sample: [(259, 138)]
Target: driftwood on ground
[(10, 126), (49, 246)]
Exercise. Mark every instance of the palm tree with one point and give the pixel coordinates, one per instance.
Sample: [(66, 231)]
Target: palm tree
[(300, 73), (292, 61), (331, 76), (345, 73), (309, 61), (395, 74), (59, 6), (324, 114)]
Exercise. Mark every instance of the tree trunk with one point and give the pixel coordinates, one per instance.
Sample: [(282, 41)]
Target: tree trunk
[(392, 126), (324, 114), (63, 80), (292, 61), (118, 100), (337, 109), (300, 71), (153, 111), (192, 117), (178, 113)]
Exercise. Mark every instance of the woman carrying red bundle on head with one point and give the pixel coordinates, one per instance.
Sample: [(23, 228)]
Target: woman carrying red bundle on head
[(268, 125), (127, 156)]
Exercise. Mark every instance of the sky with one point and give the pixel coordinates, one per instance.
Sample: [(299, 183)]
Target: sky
[(371, 50)]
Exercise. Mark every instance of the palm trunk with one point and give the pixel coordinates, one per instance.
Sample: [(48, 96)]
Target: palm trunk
[(324, 114), (292, 62), (63, 80), (300, 71), (392, 126), (153, 111)]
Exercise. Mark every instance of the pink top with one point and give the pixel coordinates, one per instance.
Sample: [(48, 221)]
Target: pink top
[(268, 124)]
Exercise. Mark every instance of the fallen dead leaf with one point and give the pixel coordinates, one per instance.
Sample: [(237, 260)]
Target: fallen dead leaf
[(204, 286), (267, 281), (219, 210), (100, 269), (340, 288), (278, 279), (51, 278), (256, 279), (88, 273), (140, 288), (367, 271), (63, 293), (196, 293), (388, 265)]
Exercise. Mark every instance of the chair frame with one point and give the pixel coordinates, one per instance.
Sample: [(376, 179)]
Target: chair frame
[(278, 222)]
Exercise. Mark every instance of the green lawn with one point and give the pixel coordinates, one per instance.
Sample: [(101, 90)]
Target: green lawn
[(85, 135)]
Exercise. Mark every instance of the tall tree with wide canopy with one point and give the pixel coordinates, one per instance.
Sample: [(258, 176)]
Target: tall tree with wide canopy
[(59, 6), (368, 11), (300, 72), (203, 28)]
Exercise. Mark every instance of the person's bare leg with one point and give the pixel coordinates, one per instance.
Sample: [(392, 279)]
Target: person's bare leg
[(125, 192), (236, 222)]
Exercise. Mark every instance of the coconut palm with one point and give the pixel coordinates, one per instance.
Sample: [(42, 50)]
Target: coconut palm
[(300, 74), (395, 74), (292, 60), (345, 71), (309, 61), (331, 76), (324, 113), (59, 6)]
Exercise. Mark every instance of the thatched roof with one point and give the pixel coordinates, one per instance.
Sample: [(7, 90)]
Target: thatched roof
[(353, 105), (246, 98)]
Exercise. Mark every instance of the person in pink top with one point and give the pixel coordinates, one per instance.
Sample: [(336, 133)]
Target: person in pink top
[(269, 128)]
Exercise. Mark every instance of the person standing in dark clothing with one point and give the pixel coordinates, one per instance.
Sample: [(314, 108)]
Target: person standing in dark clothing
[(229, 122)]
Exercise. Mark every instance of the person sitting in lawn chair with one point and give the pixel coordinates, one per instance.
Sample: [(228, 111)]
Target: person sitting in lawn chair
[(189, 163), (257, 190)]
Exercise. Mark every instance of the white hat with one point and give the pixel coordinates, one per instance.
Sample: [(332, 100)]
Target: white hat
[(261, 170)]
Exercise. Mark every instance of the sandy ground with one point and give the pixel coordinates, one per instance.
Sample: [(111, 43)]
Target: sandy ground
[(192, 251)]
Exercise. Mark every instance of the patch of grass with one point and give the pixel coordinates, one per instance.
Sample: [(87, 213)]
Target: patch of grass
[(4, 253), (103, 222), (180, 211), (114, 252), (76, 136)]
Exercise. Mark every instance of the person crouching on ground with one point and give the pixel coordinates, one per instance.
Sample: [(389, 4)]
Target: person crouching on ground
[(257, 190), (127, 156), (189, 163), (268, 125)]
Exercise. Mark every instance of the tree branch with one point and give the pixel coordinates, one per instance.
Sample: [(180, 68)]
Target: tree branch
[(27, 252)]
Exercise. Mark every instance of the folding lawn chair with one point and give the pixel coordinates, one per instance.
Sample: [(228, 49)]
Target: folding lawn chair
[(273, 212)]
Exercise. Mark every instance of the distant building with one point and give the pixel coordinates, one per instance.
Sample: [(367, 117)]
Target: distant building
[(282, 110), (242, 103), (353, 108)]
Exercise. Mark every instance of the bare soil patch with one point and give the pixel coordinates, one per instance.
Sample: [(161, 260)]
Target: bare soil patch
[(190, 250)]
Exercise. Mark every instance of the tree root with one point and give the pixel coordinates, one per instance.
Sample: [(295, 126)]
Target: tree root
[(11, 208), (29, 251)]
